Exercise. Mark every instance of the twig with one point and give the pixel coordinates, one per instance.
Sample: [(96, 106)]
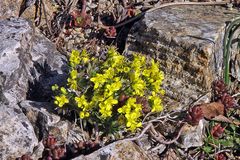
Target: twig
[(81, 126), (148, 114), (66, 9), (236, 95), (224, 150), (183, 154), (84, 5), (168, 115), (45, 14), (158, 138), (142, 133), (157, 147)]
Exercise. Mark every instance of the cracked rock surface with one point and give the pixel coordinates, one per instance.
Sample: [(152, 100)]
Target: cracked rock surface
[(188, 42)]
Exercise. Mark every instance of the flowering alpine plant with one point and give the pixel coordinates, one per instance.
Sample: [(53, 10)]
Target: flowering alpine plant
[(96, 87)]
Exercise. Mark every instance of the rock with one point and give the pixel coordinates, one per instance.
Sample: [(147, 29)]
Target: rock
[(17, 135), (187, 40), (120, 150), (60, 131), (45, 122), (47, 66), (193, 136), (38, 151), (11, 8), (40, 116), (30, 65), (15, 45), (50, 67)]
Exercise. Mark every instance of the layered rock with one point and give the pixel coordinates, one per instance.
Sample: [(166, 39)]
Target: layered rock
[(30, 65), (15, 59), (188, 42), (17, 136)]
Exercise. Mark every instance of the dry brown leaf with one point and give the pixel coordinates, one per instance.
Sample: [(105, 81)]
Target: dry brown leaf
[(211, 110), (221, 118)]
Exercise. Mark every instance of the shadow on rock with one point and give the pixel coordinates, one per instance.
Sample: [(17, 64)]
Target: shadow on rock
[(43, 79)]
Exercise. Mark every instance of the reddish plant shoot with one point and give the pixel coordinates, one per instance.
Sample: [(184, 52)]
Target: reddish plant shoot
[(217, 131), (195, 114)]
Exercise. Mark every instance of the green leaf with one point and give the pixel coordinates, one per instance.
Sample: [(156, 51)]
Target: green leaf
[(226, 143), (207, 149), (233, 127), (237, 140)]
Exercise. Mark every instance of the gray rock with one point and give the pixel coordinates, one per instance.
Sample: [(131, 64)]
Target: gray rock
[(187, 40), (193, 136), (30, 63), (40, 116), (15, 45), (37, 151), (120, 150), (17, 135), (50, 67), (45, 122)]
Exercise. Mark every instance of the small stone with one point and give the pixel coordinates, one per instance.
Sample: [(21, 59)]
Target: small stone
[(193, 136), (120, 150)]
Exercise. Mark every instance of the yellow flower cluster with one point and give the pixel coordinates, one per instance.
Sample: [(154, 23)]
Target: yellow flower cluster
[(84, 105), (95, 87), (132, 112), (106, 107), (108, 82), (62, 98), (138, 84), (74, 58), (72, 80)]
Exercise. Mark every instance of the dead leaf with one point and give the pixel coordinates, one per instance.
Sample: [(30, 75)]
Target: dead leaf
[(211, 110), (221, 118)]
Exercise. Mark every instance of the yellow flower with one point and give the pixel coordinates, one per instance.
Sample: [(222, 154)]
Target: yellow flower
[(84, 56), (61, 100), (72, 83), (139, 86), (126, 69), (156, 102), (63, 90), (112, 88), (109, 73), (81, 101), (73, 74), (55, 87), (83, 114), (106, 107), (112, 51), (74, 58), (98, 80), (133, 112), (146, 72)]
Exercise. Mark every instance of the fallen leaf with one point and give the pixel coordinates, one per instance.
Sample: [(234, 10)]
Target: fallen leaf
[(221, 118), (211, 110)]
